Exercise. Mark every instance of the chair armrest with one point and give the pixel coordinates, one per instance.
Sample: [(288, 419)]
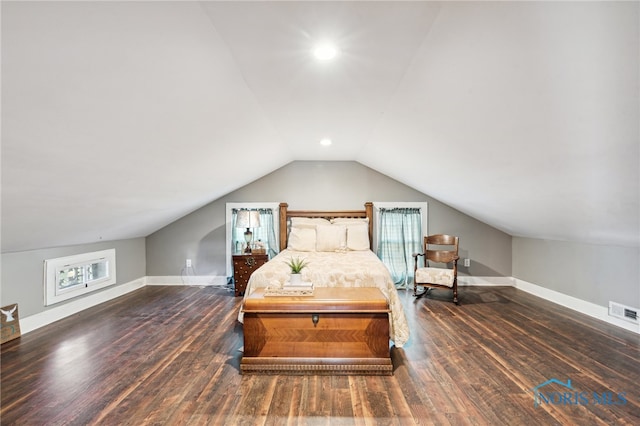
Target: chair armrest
[(415, 260)]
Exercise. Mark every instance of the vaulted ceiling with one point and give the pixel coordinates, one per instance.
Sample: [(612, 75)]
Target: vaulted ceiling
[(120, 117)]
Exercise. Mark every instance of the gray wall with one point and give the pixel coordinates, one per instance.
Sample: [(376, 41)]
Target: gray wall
[(595, 273), (318, 185), (23, 272)]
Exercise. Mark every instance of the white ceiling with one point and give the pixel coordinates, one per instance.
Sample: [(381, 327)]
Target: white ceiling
[(524, 115)]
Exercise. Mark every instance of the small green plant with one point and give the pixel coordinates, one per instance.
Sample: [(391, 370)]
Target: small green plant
[(296, 264)]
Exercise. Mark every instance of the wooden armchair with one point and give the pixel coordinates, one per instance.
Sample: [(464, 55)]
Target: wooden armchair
[(437, 277)]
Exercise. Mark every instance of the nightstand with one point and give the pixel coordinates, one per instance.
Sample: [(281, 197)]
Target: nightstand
[(243, 267)]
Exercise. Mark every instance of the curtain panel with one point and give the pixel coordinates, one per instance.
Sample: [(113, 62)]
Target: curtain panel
[(399, 236)]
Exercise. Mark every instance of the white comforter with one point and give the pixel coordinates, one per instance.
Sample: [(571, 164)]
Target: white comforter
[(343, 269)]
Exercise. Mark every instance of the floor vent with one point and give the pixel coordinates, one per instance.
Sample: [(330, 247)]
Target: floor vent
[(624, 312)]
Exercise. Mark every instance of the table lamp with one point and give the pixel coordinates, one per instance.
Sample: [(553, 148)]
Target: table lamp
[(248, 219)]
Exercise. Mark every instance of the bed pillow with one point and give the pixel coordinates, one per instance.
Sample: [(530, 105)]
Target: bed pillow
[(350, 220), (358, 237), (308, 222), (331, 237), (302, 239)]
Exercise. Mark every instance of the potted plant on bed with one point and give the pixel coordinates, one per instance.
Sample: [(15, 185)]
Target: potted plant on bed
[(296, 265)]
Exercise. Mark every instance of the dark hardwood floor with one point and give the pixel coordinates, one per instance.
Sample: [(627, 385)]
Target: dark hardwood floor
[(170, 356)]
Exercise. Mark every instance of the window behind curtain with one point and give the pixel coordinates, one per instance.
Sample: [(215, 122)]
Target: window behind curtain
[(267, 221), (399, 236), (265, 233)]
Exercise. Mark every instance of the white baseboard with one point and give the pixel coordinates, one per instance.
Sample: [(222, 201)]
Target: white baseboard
[(57, 313), (485, 281), (199, 280), (582, 306)]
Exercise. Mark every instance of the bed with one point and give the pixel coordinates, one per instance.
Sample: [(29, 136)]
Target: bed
[(337, 248)]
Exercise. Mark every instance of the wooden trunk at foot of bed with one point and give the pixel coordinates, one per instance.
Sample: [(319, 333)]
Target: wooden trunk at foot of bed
[(335, 331)]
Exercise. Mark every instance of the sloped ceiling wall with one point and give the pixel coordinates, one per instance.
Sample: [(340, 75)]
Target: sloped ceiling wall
[(119, 118)]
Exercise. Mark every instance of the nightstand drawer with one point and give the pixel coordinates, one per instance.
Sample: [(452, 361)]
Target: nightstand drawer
[(243, 267)]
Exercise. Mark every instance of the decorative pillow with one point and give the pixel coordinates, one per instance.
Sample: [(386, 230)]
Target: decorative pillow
[(302, 239), (331, 237), (358, 237), (308, 222)]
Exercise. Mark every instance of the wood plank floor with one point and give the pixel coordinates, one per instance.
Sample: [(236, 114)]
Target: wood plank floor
[(170, 356)]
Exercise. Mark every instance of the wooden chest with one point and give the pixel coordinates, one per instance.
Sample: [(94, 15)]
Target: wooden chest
[(243, 267), (335, 331)]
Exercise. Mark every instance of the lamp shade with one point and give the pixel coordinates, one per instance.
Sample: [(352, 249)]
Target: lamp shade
[(248, 219)]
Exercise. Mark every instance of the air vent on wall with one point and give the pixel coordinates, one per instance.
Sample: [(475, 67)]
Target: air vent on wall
[(624, 312)]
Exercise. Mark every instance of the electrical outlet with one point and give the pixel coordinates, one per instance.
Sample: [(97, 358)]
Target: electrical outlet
[(467, 262), (188, 263)]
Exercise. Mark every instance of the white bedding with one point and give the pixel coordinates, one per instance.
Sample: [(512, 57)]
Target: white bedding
[(337, 269)]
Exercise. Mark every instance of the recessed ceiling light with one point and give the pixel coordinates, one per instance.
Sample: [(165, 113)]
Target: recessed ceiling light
[(325, 52), (325, 142)]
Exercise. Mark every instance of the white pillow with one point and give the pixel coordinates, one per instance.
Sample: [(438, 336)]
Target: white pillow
[(358, 237), (350, 220), (308, 222), (302, 239), (331, 237)]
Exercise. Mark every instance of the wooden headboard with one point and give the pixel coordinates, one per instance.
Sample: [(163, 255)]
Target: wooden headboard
[(286, 214)]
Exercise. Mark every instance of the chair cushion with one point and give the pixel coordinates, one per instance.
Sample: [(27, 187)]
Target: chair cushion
[(434, 276)]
